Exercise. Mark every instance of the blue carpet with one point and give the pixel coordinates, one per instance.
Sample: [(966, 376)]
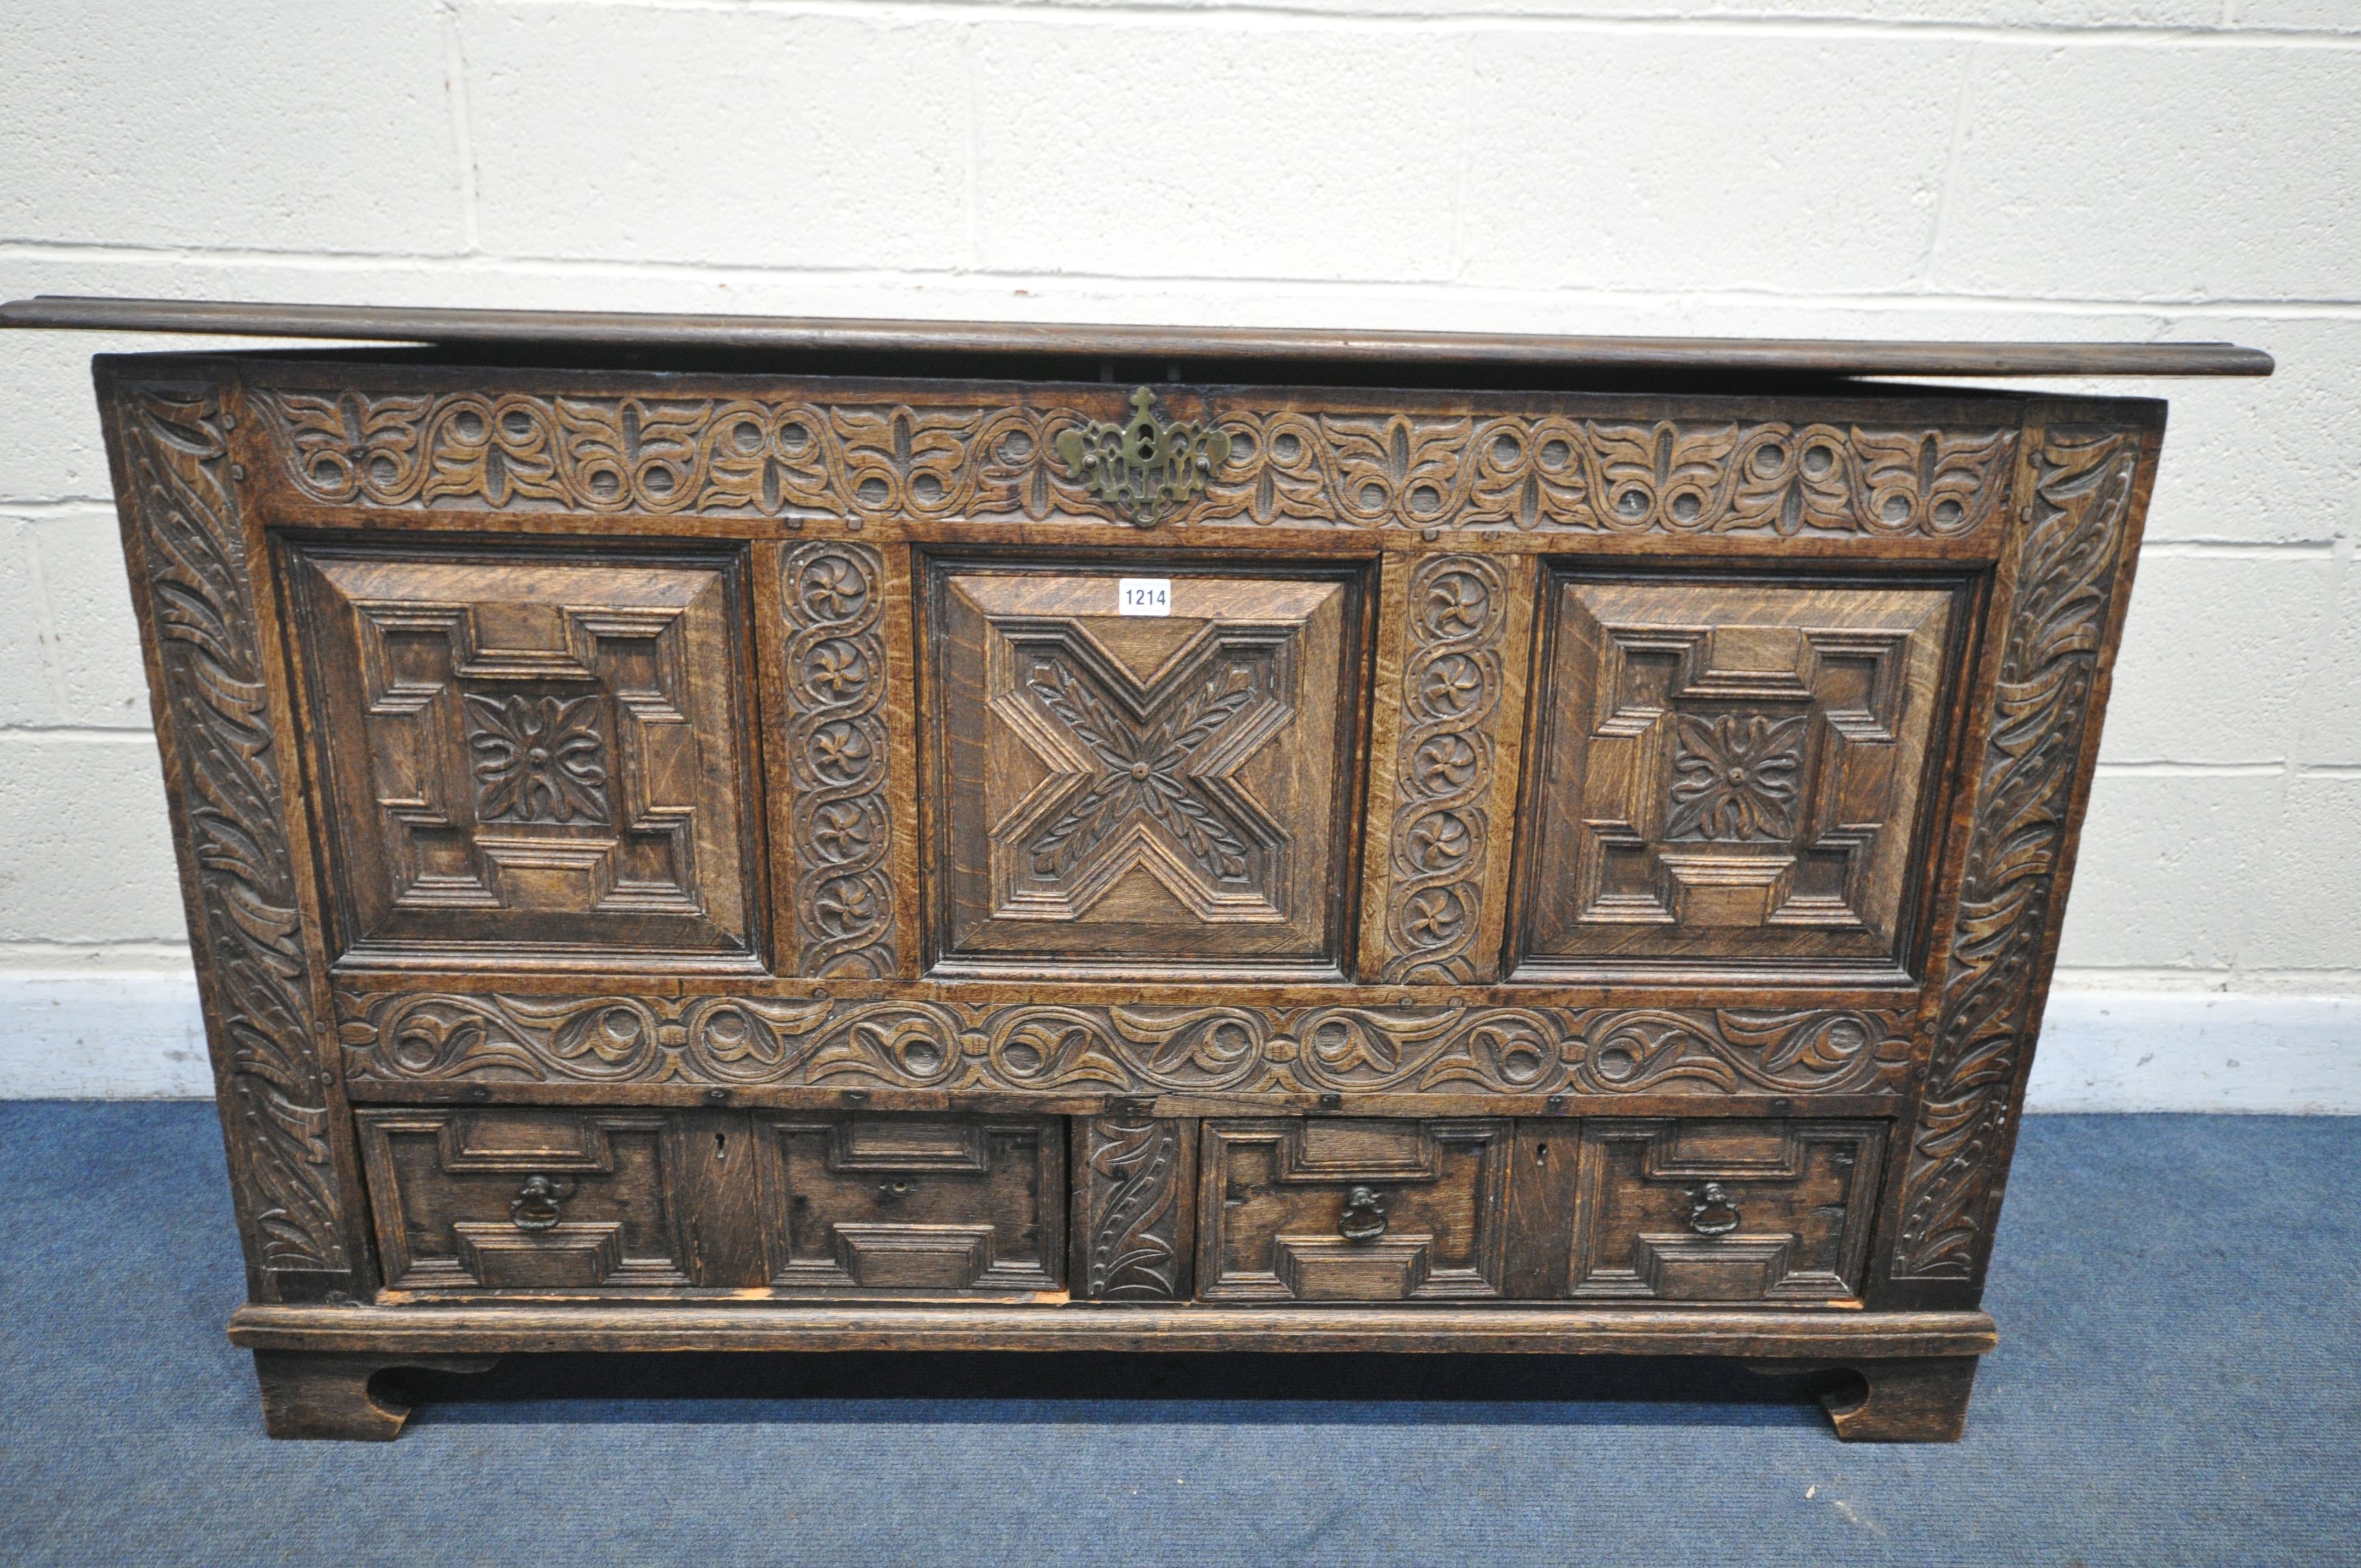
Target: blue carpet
[(2179, 1300)]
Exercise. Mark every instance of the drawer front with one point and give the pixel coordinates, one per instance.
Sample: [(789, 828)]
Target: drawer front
[(1116, 789), (1340, 1210), (526, 1200), (905, 1204), (1733, 775), (1724, 1210), (528, 757)]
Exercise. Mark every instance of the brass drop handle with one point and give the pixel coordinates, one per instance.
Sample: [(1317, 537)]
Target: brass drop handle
[(1712, 1212), (1364, 1219), (895, 1192), (535, 1207)]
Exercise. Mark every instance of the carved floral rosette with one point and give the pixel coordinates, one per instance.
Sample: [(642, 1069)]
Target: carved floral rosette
[(433, 1037), (846, 459)]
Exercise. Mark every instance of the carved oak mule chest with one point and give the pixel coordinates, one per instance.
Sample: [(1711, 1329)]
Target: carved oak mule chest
[(709, 833)]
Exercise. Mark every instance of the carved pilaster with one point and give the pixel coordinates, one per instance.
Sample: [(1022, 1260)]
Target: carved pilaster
[(1460, 710), (1134, 1180), (837, 743)]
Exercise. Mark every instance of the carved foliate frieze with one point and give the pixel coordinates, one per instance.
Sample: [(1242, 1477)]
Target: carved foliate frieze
[(1452, 681), (2068, 555), (861, 460), (836, 738), (258, 965), (423, 1036), (1556, 471)]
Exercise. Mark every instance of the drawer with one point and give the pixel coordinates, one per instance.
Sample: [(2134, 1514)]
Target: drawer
[(1344, 1209), (1724, 1210), (904, 1204), (526, 1200)]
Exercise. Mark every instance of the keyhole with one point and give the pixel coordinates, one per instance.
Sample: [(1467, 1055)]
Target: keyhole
[(720, 1148), (1540, 1154)]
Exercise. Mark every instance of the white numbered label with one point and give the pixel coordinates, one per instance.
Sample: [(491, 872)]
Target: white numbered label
[(1145, 595)]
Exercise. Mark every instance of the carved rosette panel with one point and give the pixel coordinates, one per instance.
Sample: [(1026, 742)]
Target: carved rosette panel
[(2067, 559), (1452, 684), (213, 705), (843, 459), (430, 1037), (1135, 1205), (836, 742)]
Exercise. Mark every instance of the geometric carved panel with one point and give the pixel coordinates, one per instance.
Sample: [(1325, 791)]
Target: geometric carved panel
[(528, 752), (1731, 771), (1724, 1209), (911, 1205), (1117, 788), (525, 1199), (1338, 1209)]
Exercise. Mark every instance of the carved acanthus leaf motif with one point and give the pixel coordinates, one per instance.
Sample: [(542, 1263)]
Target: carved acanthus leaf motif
[(418, 1037), (259, 971), (2067, 558), (875, 462), (1133, 1210), (836, 742)]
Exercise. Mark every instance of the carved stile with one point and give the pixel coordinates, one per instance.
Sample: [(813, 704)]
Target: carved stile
[(837, 739), (2069, 554), (1132, 1233), (191, 570), (1454, 683)]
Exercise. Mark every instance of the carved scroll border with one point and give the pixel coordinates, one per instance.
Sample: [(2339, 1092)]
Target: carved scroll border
[(886, 460), (257, 967), (2068, 557), (831, 595), (410, 1037), (1454, 682)]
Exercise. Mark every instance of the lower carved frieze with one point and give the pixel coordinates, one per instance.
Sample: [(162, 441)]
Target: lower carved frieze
[(421, 1037)]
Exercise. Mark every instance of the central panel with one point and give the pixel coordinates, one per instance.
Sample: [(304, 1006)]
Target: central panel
[(1139, 768)]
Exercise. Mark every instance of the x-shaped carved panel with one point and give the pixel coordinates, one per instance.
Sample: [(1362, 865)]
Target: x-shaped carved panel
[(1114, 789), (1143, 775)]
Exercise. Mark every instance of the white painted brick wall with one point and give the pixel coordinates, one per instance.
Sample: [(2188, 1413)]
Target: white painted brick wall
[(1848, 168)]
